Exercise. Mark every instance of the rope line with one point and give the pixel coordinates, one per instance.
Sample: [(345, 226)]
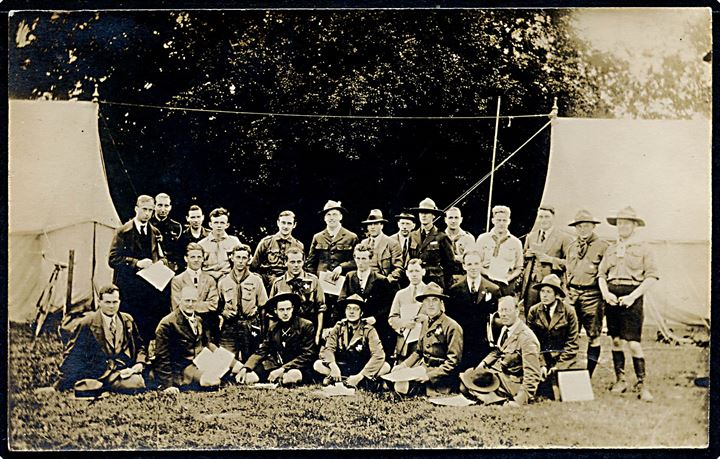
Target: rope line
[(117, 153), (312, 115)]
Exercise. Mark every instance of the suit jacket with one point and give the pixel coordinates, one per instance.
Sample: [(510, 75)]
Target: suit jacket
[(411, 245), (176, 345), (170, 231), (555, 246), (517, 363), (440, 348), (377, 296), (207, 291), (89, 353), (359, 345), (126, 251), (437, 255), (559, 337), (326, 253), (287, 345), (387, 257)]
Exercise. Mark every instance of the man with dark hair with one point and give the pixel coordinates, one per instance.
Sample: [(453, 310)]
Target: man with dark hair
[(375, 289), (105, 346), (244, 295), (386, 258), (193, 231), (288, 350), (433, 246), (207, 305), (461, 240), (269, 259), (135, 246), (218, 244), (169, 229), (406, 223), (405, 316), (307, 286)]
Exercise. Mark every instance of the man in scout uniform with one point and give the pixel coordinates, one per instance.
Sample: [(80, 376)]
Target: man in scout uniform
[(207, 305), (218, 244), (170, 230), (581, 273), (387, 256), (626, 272), (269, 259), (105, 347), (439, 350), (288, 350), (546, 244), (244, 295), (515, 361), (432, 246), (472, 301), (461, 240), (405, 310), (307, 286), (331, 250), (353, 349), (556, 327), (501, 252)]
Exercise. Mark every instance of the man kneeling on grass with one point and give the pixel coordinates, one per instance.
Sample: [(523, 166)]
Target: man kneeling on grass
[(288, 349), (353, 349)]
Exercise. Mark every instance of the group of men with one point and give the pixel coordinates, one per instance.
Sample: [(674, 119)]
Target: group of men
[(490, 317)]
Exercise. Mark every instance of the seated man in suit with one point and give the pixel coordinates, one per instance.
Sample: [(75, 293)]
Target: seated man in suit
[(514, 363), (105, 346), (387, 255), (405, 310), (375, 289), (207, 304), (181, 336), (472, 301), (439, 350), (555, 325), (353, 349), (288, 350)]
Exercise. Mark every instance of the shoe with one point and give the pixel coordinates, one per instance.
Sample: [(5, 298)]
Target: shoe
[(619, 387), (327, 381), (645, 394)]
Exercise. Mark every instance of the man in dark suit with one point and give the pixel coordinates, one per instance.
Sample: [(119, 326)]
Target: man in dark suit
[(375, 289), (432, 246), (170, 230), (181, 336), (387, 255), (193, 231), (105, 346), (135, 246), (472, 300)]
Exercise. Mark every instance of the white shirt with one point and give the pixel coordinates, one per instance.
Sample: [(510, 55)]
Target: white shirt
[(552, 309), (195, 276), (363, 278), (139, 226), (473, 282)]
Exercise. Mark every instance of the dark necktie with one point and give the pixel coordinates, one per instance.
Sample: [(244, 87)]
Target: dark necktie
[(503, 337), (549, 315), (113, 333), (405, 250), (423, 235), (473, 288), (542, 236)]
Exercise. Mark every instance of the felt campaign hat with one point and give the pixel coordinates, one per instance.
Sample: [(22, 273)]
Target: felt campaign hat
[(428, 205), (375, 216), (627, 213), (583, 216), (294, 298), (406, 215), (88, 389), (352, 299), (480, 380), (552, 281), (333, 205), (432, 289)]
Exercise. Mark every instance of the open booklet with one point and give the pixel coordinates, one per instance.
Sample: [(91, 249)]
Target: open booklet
[(214, 363), (157, 274)]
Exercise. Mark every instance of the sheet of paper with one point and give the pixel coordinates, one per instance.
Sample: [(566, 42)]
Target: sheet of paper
[(575, 386), (499, 270), (406, 374), (410, 312), (331, 287), (264, 386), (337, 389), (157, 274), (458, 400), (215, 363)]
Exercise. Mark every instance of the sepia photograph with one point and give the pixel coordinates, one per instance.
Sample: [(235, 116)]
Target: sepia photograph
[(359, 228)]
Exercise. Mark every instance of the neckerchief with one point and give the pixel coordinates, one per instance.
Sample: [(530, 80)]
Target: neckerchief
[(498, 242), (238, 290), (583, 245)]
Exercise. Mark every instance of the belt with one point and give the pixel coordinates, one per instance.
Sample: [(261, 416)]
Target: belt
[(625, 282), (583, 287)]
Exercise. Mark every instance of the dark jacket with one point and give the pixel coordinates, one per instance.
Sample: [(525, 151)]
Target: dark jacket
[(89, 354), (559, 337), (440, 348), (171, 233), (288, 345), (326, 253), (436, 253), (176, 346), (359, 347), (126, 250), (378, 295)]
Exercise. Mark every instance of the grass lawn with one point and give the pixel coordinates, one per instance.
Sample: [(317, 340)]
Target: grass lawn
[(240, 417)]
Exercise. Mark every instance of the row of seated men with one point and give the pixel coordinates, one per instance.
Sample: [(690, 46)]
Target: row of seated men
[(237, 320)]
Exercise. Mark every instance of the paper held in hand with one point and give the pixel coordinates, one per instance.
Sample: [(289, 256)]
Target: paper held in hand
[(406, 374), (408, 312), (157, 274), (214, 363), (329, 286)]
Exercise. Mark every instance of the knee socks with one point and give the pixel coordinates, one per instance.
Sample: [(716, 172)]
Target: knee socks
[(593, 355), (619, 364)]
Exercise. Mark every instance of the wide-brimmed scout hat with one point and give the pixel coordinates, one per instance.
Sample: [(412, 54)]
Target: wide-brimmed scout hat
[(294, 298), (583, 216), (552, 281), (406, 215), (480, 380), (333, 205), (627, 213), (375, 216), (352, 299), (87, 389), (432, 289), (427, 205)]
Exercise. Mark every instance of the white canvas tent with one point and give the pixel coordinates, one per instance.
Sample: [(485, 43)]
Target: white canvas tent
[(58, 199), (662, 169)]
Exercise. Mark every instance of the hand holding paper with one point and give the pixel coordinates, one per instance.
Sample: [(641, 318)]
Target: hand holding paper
[(157, 274)]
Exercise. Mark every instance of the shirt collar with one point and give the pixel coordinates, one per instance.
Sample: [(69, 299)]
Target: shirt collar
[(333, 234), (194, 273), (107, 319), (193, 316), (514, 327), (138, 225), (495, 233), (222, 238)]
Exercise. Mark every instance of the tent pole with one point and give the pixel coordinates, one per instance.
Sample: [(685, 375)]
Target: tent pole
[(71, 266), (492, 166)]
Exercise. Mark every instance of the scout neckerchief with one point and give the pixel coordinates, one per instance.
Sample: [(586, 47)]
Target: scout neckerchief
[(498, 242), (238, 290), (583, 245)]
